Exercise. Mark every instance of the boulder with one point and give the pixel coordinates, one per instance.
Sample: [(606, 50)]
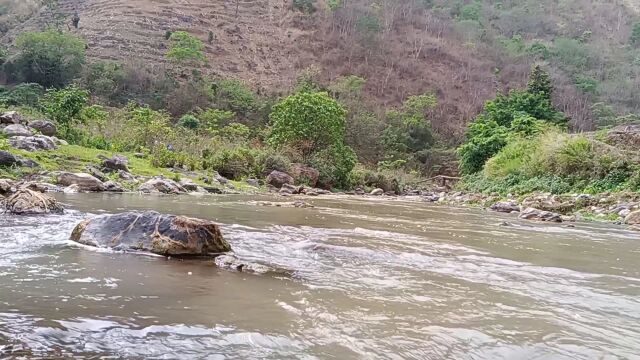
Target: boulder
[(10, 117), (29, 202), (633, 218), (41, 187), (303, 174), (84, 181), (377, 192), (506, 207), (253, 182), (152, 232), (189, 185), (161, 185), (32, 143), (116, 163), (291, 189), (45, 127), (7, 159), (71, 189), (97, 173), (16, 130), (112, 186), (124, 175), (5, 186), (59, 142), (278, 178), (541, 215), (221, 179)]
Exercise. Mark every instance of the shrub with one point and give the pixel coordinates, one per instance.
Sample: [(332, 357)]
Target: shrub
[(274, 161), (212, 119), (234, 163), (189, 122), (186, 48), (335, 165), (24, 95), (49, 58), (471, 11), (234, 95), (635, 34), (309, 122), (484, 139), (64, 106), (306, 6), (105, 79)]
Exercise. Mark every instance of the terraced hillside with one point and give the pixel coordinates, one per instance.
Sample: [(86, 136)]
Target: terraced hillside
[(251, 37)]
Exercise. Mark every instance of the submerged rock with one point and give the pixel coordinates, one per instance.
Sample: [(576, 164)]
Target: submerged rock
[(541, 215), (152, 232), (29, 202), (233, 263)]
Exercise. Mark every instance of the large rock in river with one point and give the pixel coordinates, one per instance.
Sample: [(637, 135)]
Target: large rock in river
[(29, 202), (152, 232), (541, 215), (161, 185), (279, 178), (633, 218), (84, 181)]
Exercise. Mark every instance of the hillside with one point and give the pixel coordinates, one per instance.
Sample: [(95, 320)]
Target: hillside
[(463, 51)]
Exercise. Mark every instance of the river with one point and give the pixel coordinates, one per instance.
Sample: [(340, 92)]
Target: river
[(366, 279)]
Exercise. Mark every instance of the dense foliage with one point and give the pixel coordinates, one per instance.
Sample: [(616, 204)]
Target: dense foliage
[(49, 58), (185, 48)]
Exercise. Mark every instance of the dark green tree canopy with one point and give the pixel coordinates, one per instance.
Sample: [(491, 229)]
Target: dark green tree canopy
[(50, 58)]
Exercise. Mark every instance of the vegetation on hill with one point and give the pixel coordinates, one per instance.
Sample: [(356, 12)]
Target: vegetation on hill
[(390, 86)]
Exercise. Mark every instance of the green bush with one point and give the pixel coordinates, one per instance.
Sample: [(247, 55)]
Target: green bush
[(64, 106), (274, 161), (186, 48), (306, 6), (234, 163), (50, 58), (105, 79), (471, 11), (335, 165), (234, 95), (635, 34), (24, 95), (189, 122)]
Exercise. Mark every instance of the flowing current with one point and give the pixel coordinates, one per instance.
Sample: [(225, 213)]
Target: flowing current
[(364, 279)]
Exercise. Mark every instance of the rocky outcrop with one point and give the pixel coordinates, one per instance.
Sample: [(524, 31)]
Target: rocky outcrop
[(278, 178), (540, 215), (190, 186), (633, 218), (5, 186), (625, 137), (16, 130), (10, 117), (291, 189), (112, 186), (7, 159), (45, 127), (32, 143), (152, 232), (29, 202), (84, 181), (161, 185), (506, 207), (116, 163), (303, 174)]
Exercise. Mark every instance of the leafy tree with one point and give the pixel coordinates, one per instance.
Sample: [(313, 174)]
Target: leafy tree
[(234, 95), (485, 138), (335, 164), (105, 79), (64, 106), (186, 48), (540, 82), (308, 121), (471, 11), (49, 58), (409, 130)]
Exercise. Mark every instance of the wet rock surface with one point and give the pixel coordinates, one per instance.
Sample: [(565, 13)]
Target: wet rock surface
[(161, 185), (29, 202), (152, 232), (84, 182)]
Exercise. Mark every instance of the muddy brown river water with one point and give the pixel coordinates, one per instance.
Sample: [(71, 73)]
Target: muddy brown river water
[(368, 279)]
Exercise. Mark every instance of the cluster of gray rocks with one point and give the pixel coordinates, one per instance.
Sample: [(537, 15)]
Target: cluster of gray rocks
[(30, 135)]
